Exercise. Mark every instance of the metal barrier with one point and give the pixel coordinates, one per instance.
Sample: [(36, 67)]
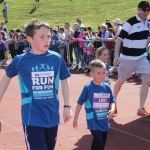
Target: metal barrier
[(66, 49)]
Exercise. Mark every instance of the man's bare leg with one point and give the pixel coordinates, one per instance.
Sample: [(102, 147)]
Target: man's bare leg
[(117, 88)]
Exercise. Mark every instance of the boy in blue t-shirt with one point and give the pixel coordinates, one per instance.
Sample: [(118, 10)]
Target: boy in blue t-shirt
[(99, 105), (39, 71)]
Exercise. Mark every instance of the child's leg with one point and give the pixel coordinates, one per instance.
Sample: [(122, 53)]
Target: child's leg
[(104, 138), (38, 138), (99, 139), (51, 137), (35, 138)]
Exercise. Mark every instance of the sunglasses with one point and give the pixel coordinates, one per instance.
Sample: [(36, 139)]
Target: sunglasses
[(147, 9)]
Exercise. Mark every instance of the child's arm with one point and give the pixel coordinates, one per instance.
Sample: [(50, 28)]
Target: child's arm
[(3, 85), (111, 111), (75, 121), (67, 113)]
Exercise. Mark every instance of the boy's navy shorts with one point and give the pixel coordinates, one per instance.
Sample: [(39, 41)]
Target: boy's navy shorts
[(39, 138)]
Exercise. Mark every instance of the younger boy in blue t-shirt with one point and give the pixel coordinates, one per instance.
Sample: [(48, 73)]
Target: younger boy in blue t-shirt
[(39, 71), (99, 105)]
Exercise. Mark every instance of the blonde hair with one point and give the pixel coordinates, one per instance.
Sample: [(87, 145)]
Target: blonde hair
[(104, 26), (100, 51), (96, 64), (76, 24)]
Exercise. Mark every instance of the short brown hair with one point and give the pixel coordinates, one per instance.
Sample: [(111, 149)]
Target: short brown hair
[(2, 32), (67, 23), (100, 51), (78, 20), (96, 64), (35, 25), (84, 28)]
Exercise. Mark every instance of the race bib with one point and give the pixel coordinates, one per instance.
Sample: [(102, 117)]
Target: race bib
[(101, 103)]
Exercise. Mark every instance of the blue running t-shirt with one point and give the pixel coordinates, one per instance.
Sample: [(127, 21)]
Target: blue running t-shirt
[(39, 77), (97, 99)]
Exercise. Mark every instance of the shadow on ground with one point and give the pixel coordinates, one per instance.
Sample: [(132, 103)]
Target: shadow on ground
[(131, 136), (84, 143), (33, 10)]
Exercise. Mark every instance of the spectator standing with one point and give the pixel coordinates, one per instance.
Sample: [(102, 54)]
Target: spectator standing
[(117, 24), (2, 45), (104, 35), (79, 23), (5, 10), (16, 39), (109, 25), (97, 44), (69, 45), (11, 44), (81, 38), (62, 42), (4, 28), (76, 45), (54, 40)]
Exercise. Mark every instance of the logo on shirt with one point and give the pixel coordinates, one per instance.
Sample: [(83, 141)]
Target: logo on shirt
[(42, 76), (101, 104), (148, 25), (138, 27)]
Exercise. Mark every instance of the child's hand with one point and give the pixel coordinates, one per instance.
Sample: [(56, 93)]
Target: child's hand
[(67, 114), (110, 114), (75, 124)]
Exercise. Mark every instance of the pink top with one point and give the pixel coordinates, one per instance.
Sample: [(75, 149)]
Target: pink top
[(89, 50), (81, 36)]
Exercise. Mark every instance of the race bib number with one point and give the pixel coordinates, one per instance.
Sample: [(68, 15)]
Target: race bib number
[(101, 103)]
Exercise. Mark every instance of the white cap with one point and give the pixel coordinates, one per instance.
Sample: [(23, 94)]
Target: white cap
[(117, 20)]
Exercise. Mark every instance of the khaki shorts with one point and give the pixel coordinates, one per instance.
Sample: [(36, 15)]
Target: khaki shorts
[(127, 67)]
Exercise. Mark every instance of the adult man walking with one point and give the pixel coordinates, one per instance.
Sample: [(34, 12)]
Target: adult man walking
[(5, 10), (134, 35)]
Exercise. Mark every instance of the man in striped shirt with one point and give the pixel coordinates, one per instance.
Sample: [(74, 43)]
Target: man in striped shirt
[(133, 57)]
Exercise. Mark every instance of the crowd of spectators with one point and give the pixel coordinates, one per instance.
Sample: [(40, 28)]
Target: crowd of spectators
[(77, 44)]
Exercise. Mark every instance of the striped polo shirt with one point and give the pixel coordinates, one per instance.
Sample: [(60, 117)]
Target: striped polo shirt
[(134, 35)]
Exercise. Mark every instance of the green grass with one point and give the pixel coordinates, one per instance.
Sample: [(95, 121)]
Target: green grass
[(92, 12)]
